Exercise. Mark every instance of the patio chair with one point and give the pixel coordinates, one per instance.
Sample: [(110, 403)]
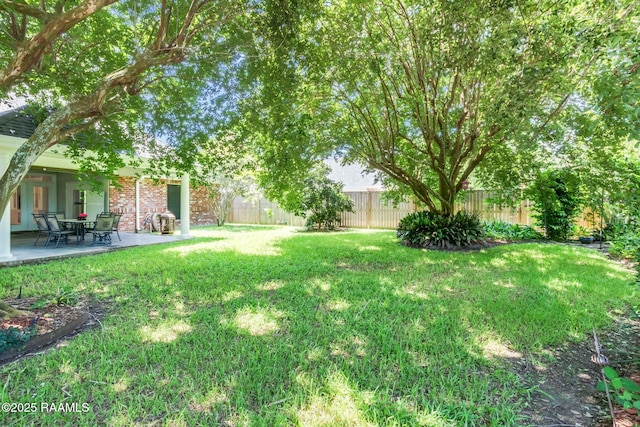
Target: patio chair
[(116, 222), (43, 227), (102, 230), (88, 228), (56, 231), (60, 216)]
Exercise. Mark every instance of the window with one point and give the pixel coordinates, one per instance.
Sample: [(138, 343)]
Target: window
[(173, 199)]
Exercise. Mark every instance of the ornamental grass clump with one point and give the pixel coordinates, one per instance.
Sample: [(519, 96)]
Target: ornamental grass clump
[(431, 230)]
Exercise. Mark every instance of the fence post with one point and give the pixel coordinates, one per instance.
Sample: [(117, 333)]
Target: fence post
[(259, 210), (369, 203)]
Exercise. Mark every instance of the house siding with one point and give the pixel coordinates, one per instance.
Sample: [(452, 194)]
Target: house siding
[(153, 198)]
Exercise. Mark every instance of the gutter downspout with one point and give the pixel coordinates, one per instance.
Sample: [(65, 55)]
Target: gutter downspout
[(138, 180)]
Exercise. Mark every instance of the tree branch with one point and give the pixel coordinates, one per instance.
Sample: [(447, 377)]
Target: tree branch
[(28, 54)]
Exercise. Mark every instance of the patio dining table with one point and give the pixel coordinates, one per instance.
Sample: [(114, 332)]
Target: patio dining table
[(79, 225)]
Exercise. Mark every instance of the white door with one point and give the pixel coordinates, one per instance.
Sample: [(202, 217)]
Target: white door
[(36, 194), (79, 201)]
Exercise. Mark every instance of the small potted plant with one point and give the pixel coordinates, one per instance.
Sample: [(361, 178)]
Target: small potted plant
[(82, 216), (586, 240), (584, 236)]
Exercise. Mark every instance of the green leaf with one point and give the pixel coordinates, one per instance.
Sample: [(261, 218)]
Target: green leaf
[(616, 383), (601, 386), (630, 385), (609, 372)]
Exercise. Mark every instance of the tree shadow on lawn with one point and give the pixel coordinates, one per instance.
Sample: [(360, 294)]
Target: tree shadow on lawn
[(326, 332)]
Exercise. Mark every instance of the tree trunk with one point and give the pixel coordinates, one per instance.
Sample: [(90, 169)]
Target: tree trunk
[(6, 311), (48, 134)]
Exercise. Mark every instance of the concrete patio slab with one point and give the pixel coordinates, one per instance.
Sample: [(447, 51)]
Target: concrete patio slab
[(24, 251)]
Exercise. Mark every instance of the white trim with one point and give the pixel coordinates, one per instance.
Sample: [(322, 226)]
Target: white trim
[(5, 221), (185, 205), (55, 157)]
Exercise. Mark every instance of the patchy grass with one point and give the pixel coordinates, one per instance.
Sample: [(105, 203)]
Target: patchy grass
[(265, 326)]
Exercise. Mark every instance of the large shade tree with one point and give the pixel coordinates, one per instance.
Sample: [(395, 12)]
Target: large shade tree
[(101, 67), (428, 92), (104, 69)]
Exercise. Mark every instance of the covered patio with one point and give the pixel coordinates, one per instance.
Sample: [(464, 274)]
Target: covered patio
[(52, 185), (24, 251)]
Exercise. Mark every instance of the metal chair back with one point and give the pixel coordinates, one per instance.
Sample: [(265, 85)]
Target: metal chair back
[(41, 222), (54, 225), (103, 224)]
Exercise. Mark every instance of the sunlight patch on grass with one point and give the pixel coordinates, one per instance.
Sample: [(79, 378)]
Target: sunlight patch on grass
[(231, 295), (180, 309), (499, 262), (349, 349), (258, 247), (494, 349), (337, 305), (316, 354), (208, 402), (322, 284), (257, 322), (413, 291), (65, 368), (271, 285), (121, 420), (434, 420), (121, 385), (165, 332), (339, 407), (504, 284), (369, 248), (561, 284), (263, 242)]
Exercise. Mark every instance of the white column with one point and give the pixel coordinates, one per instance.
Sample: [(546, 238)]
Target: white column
[(5, 221), (185, 206)]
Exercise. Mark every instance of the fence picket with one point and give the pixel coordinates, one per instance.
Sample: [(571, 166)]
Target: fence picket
[(371, 211)]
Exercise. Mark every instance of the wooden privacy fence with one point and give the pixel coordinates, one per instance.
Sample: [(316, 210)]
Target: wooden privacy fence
[(371, 211)]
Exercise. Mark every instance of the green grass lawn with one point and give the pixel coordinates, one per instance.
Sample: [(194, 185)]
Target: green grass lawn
[(268, 326)]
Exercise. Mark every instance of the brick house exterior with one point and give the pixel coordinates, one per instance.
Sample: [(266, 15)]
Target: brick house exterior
[(153, 199)]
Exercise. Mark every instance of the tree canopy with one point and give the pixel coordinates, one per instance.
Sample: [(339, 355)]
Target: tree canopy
[(110, 70), (428, 93)]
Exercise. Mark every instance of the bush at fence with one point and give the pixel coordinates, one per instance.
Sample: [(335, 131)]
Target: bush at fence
[(502, 230), (323, 202)]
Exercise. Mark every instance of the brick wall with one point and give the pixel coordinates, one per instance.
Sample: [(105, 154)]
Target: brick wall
[(153, 198)]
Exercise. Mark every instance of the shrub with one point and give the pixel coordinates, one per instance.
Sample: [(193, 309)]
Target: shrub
[(427, 229), (625, 391), (14, 337), (506, 231), (557, 200), (623, 227), (323, 202), (626, 243)]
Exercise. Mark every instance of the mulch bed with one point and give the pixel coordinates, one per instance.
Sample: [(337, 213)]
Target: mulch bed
[(565, 390), (53, 323)]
